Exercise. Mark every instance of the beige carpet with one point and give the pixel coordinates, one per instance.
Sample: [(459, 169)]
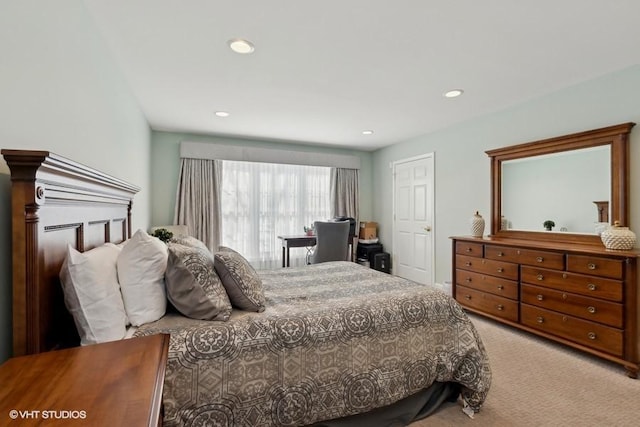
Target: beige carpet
[(537, 383)]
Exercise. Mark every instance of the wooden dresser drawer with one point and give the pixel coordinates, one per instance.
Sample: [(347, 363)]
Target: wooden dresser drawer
[(506, 270), (581, 331), (575, 283), (597, 266), (482, 282), (572, 292), (470, 249), (597, 310), (488, 303), (543, 259)]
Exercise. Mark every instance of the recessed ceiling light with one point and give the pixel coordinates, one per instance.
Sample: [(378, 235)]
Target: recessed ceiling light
[(453, 93), (367, 132), (222, 114), (241, 46)]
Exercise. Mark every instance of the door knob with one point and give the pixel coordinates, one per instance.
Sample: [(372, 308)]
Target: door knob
[(427, 228)]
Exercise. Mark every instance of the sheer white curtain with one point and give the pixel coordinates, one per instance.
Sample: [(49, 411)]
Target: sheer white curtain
[(261, 201)]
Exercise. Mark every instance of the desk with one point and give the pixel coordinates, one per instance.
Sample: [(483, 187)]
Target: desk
[(295, 241), (117, 383), (304, 241)]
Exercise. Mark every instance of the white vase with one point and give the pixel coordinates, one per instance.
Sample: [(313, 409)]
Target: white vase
[(618, 238), (504, 223), (477, 225), (600, 227)]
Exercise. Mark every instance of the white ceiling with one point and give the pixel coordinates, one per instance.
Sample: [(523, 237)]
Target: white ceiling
[(323, 71)]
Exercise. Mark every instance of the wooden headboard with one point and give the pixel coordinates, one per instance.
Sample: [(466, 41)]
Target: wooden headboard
[(56, 202)]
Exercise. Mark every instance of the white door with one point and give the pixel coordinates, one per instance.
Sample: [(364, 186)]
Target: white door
[(413, 219)]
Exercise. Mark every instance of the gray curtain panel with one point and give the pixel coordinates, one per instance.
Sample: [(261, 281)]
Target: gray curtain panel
[(198, 199), (344, 192)]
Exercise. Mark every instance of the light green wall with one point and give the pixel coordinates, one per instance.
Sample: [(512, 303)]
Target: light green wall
[(462, 169), (165, 160), (61, 91)]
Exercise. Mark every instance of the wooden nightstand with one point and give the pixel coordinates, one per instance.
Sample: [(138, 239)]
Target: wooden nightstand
[(112, 384)]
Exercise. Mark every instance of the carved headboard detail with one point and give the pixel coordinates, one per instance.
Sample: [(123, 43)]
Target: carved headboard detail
[(56, 202)]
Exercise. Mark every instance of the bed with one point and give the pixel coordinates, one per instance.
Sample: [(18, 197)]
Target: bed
[(322, 352)]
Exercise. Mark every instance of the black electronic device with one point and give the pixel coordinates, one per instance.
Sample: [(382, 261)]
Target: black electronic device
[(381, 261), (365, 251)]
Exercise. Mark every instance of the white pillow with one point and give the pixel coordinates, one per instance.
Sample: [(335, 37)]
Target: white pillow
[(141, 266), (92, 294)]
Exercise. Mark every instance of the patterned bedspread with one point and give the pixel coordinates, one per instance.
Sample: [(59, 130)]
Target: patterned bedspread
[(335, 339)]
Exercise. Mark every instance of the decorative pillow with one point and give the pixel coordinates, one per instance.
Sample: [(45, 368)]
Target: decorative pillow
[(227, 249), (193, 286), (191, 242), (92, 294), (141, 266), (242, 283)]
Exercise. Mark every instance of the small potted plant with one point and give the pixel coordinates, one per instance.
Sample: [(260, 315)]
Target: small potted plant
[(548, 224), (162, 234)]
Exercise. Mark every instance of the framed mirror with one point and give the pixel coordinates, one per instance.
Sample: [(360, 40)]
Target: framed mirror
[(574, 184)]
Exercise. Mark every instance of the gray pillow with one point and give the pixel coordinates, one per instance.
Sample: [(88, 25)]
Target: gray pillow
[(193, 287), (190, 241), (241, 281), (227, 249)]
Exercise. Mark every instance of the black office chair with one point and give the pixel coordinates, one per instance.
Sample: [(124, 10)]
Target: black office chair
[(332, 241)]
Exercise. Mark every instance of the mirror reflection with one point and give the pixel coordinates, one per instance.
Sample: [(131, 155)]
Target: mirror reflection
[(568, 191)]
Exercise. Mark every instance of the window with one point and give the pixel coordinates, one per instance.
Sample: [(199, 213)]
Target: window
[(261, 201)]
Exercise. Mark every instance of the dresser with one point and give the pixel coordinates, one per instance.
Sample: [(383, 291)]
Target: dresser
[(583, 296), (117, 383)]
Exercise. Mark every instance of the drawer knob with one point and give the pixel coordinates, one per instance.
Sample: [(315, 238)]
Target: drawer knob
[(591, 287), (591, 266), (500, 269), (467, 297), (468, 280), (592, 335), (500, 307), (539, 297), (540, 277), (500, 287), (539, 259), (591, 309), (500, 254), (468, 264), (540, 319), (469, 250)]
